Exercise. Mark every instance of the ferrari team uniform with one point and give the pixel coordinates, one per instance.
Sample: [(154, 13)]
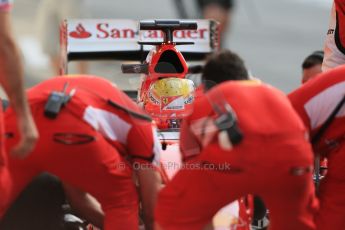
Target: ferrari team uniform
[(89, 145), (274, 161), (5, 6), (314, 102), (335, 40)]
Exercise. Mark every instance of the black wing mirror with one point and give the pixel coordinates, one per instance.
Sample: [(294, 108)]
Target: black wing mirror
[(135, 68)]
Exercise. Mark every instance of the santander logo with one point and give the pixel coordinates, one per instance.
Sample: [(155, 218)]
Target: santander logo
[(105, 30), (80, 32)]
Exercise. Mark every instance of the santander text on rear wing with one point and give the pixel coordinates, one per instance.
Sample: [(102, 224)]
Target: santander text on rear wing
[(92, 39)]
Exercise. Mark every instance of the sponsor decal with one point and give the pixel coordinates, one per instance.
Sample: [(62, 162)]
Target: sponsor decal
[(172, 103), (178, 34), (330, 31), (106, 30), (189, 100), (167, 100), (153, 98), (80, 32)]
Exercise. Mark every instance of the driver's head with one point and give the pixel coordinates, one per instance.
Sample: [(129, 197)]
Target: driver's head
[(223, 66)]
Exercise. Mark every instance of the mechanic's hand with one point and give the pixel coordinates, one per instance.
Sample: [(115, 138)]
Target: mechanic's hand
[(28, 137)]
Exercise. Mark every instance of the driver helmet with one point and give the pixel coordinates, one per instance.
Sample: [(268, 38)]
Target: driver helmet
[(169, 100)]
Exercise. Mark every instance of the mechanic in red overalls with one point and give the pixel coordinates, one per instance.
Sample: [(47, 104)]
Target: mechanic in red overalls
[(315, 101), (273, 160), (90, 144), (11, 74)]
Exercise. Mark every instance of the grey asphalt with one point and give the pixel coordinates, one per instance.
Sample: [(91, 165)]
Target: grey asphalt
[(273, 36)]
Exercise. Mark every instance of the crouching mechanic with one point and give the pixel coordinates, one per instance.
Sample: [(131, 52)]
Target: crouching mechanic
[(320, 103), (242, 138), (89, 144)]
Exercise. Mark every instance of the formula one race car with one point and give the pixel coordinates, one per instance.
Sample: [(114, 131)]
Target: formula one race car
[(165, 92)]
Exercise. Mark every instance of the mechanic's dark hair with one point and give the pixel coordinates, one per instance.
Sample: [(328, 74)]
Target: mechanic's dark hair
[(313, 59), (223, 66), (226, 4)]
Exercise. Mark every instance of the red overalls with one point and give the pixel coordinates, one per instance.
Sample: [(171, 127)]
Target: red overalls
[(314, 102), (273, 161), (89, 145)]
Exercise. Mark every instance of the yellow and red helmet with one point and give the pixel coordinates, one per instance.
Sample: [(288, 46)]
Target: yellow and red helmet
[(169, 100)]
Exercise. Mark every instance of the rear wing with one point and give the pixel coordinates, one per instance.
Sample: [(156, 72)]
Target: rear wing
[(113, 39)]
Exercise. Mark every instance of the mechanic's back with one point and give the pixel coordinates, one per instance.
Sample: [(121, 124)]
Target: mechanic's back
[(91, 99), (262, 112), (89, 145), (93, 85), (263, 109)]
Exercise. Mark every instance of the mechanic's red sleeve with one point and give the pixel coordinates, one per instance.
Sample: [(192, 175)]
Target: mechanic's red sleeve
[(298, 100), (189, 145), (142, 142), (340, 5), (325, 90)]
